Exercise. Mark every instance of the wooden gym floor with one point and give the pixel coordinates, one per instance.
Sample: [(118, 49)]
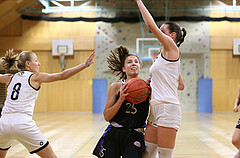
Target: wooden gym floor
[(74, 135)]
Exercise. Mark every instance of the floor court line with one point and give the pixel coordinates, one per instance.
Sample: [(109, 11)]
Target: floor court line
[(89, 140), (218, 147)]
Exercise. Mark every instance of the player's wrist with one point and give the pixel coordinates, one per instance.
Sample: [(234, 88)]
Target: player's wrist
[(86, 64), (121, 100)]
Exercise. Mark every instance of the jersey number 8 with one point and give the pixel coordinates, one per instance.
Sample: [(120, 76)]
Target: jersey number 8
[(16, 91)]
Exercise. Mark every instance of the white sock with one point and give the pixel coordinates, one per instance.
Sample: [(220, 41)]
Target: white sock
[(165, 152), (150, 151)]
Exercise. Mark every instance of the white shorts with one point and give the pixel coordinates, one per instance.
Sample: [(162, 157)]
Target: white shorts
[(23, 129), (164, 114)]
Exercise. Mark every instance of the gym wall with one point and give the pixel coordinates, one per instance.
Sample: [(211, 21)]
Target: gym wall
[(206, 52), (224, 66), (75, 94)]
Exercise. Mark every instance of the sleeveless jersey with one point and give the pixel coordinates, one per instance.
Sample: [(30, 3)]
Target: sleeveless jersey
[(21, 96), (164, 80), (131, 115)]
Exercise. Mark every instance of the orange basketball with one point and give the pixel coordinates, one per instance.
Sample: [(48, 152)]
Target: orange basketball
[(138, 90)]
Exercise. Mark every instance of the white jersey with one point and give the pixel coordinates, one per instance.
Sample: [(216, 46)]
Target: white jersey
[(21, 96), (164, 80)]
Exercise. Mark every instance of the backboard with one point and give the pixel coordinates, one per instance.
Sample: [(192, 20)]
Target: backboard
[(62, 46)]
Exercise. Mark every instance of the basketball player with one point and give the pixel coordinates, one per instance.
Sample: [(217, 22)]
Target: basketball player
[(165, 111), (124, 135), (22, 91), (236, 134)]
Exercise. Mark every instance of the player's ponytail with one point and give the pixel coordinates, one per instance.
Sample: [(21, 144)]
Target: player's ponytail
[(12, 60), (116, 60), (180, 32), (9, 60), (184, 33)]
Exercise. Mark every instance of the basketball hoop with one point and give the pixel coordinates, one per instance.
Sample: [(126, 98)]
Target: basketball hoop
[(62, 48), (62, 58)]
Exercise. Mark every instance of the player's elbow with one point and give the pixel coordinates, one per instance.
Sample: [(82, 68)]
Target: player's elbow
[(106, 119), (106, 116), (62, 76)]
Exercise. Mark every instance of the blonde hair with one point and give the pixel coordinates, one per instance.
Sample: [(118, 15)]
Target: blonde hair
[(12, 60)]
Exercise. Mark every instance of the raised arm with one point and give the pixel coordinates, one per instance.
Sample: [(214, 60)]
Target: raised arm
[(165, 40), (112, 107), (45, 77), (237, 101)]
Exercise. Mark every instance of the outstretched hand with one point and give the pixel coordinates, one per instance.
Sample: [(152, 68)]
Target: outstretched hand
[(89, 60)]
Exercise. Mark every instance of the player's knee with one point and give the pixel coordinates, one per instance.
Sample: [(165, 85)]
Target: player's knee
[(47, 152), (236, 142), (165, 152), (150, 150)]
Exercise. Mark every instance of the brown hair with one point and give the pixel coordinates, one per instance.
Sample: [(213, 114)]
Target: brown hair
[(11, 60), (116, 60), (180, 32)]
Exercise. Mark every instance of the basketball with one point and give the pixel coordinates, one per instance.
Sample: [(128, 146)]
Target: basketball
[(138, 90)]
